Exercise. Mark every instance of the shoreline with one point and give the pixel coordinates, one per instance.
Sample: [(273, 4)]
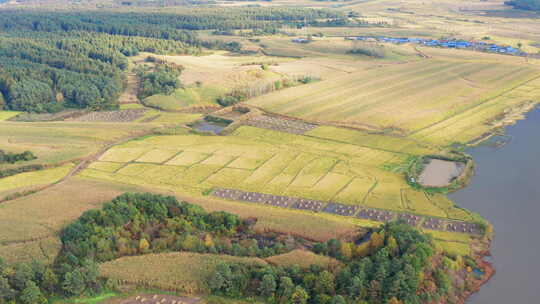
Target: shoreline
[(484, 252)]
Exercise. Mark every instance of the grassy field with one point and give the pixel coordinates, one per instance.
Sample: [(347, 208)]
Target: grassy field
[(44, 250), (302, 258), (428, 92), (417, 106), (36, 178), (58, 142), (5, 115), (43, 214), (272, 162), (208, 77), (179, 272), (185, 97)]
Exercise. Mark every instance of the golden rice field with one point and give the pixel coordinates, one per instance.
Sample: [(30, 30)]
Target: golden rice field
[(35, 178), (259, 160), (4, 115), (453, 243), (180, 271), (408, 97)]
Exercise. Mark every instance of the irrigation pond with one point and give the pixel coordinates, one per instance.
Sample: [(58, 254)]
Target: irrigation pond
[(506, 191)]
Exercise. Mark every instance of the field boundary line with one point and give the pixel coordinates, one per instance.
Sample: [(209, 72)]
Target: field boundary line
[(375, 184), (225, 166), (300, 171), (263, 163), (336, 161), (84, 163), (285, 167), (164, 163), (343, 188)]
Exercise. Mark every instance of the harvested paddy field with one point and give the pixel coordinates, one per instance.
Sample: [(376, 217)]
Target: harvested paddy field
[(426, 93), (127, 115), (59, 142), (41, 215), (180, 272)]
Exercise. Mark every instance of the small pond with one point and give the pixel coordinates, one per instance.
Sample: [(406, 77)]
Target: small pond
[(440, 173), (210, 126)]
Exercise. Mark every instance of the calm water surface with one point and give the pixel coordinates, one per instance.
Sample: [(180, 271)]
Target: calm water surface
[(506, 191), (210, 126)]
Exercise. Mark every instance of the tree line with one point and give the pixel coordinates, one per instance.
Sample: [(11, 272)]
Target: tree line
[(53, 60), (11, 158), (396, 265)]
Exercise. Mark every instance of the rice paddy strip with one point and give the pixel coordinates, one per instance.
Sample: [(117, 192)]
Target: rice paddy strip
[(373, 214)]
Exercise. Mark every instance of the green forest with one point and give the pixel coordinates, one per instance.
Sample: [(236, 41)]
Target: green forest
[(11, 158), (392, 264), (50, 61)]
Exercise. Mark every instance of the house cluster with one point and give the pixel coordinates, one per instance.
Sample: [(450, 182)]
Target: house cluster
[(447, 43)]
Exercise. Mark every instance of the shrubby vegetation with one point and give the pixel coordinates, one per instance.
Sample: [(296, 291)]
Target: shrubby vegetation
[(53, 60), (371, 50), (27, 283), (162, 79), (21, 169), (245, 93), (396, 265), (145, 223), (12, 158)]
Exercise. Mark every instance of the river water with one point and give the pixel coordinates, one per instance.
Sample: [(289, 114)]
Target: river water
[(506, 191)]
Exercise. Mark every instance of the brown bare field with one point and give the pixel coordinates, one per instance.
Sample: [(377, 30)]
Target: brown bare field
[(304, 259)]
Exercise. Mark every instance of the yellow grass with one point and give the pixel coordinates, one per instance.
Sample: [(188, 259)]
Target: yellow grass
[(42, 214), (106, 166), (44, 250), (409, 97), (35, 178), (303, 258), (58, 142), (4, 115), (454, 248), (188, 158), (157, 156), (179, 271)]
